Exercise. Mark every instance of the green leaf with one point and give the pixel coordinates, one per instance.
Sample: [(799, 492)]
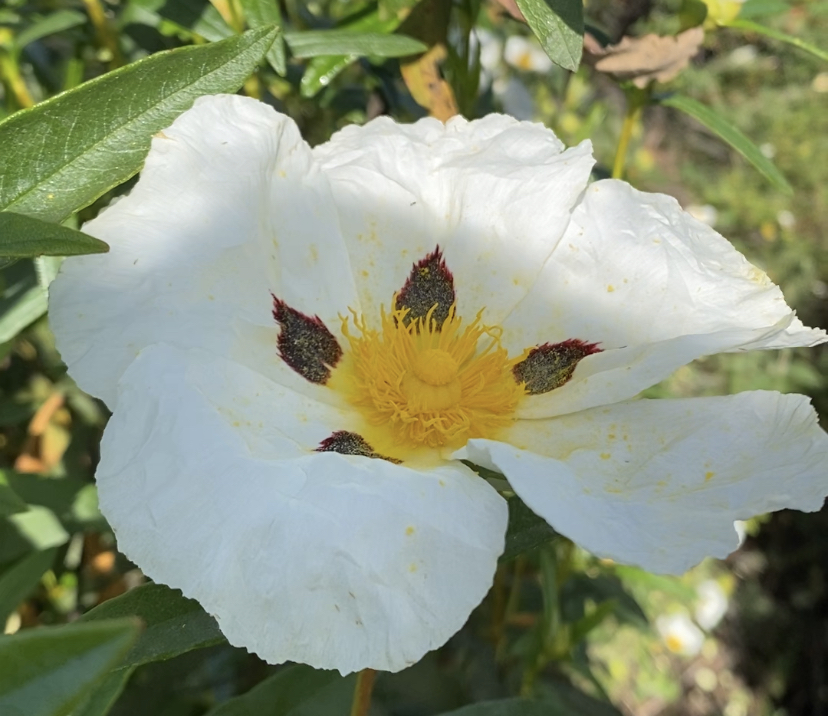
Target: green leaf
[(321, 71), (267, 12), (750, 26), (280, 694), (347, 42), (53, 22), (35, 529), (23, 299), (24, 237), (18, 581), (73, 501), (731, 135), (556, 699), (582, 627), (10, 502), (49, 671), (173, 623), (103, 698), (510, 707), (65, 152), (526, 530), (559, 25)]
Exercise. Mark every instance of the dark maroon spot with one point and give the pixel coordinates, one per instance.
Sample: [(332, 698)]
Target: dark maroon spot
[(549, 366), (346, 443), (305, 343), (430, 284)]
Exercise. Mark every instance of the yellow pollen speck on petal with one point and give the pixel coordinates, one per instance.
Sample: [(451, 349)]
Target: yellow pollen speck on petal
[(409, 531), (610, 288), (605, 456), (421, 384), (708, 476)]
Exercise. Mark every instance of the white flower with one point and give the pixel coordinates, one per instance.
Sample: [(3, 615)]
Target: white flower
[(712, 605), (786, 219), (679, 634), (524, 53), (278, 332)]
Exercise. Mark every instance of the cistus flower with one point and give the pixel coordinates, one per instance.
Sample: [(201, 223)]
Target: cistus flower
[(303, 349), (679, 634)]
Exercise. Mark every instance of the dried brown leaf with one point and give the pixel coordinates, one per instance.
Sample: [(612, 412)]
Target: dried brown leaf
[(647, 58)]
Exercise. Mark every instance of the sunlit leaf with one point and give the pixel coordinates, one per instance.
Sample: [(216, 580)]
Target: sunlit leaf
[(35, 529), (65, 152), (173, 624), (49, 671), (559, 25), (345, 42), (731, 135)]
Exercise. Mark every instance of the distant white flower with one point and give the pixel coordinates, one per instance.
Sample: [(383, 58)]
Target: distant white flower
[(680, 634), (706, 213), (491, 50), (786, 219), (524, 53), (301, 346), (744, 56), (768, 150), (712, 604), (820, 83)]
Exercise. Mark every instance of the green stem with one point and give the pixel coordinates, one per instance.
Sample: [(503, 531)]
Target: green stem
[(103, 30), (362, 692), (10, 72), (634, 106)]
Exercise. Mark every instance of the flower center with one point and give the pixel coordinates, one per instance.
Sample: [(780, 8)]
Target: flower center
[(421, 382), (435, 367)]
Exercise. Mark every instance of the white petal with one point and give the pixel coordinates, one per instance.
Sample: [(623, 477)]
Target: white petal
[(209, 478), (659, 483), (655, 288), (495, 194), (228, 209)]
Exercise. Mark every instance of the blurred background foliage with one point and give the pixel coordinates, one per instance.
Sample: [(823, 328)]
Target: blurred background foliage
[(743, 637)]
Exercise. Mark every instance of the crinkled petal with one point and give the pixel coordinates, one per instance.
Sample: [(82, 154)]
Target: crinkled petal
[(209, 478), (659, 483), (655, 288), (230, 207), (495, 194)]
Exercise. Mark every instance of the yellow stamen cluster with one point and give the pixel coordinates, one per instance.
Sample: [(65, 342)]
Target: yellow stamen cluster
[(430, 385)]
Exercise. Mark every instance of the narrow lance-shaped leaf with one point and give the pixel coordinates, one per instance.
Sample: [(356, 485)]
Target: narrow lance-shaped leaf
[(49, 25), (346, 42), (730, 134), (749, 26), (65, 152), (559, 25), (267, 12), (18, 581), (49, 671), (25, 237), (173, 624)]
